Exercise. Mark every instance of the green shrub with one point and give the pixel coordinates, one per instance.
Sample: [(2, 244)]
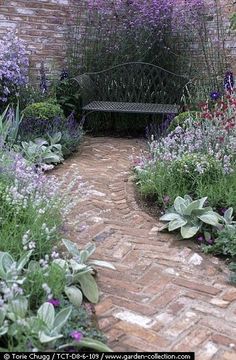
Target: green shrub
[(195, 168), (43, 110), (181, 177), (180, 119), (225, 244)]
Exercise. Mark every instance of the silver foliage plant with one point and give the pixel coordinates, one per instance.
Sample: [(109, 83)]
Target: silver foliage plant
[(190, 216)]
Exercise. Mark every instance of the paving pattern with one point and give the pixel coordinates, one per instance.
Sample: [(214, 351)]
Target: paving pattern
[(162, 296)]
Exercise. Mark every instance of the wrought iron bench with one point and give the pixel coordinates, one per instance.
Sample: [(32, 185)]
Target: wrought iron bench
[(133, 87)]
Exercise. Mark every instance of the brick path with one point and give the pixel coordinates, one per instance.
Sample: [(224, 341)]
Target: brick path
[(159, 298)]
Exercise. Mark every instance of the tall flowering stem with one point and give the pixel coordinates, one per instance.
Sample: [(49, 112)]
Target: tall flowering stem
[(14, 65)]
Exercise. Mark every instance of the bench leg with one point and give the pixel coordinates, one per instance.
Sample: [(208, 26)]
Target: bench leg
[(81, 124)]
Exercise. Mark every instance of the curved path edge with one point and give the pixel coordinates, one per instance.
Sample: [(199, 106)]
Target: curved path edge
[(161, 297)]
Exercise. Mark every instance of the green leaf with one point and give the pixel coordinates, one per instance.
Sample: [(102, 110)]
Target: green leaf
[(90, 248), (45, 338), (46, 313), (177, 223), (24, 260), (76, 266), (180, 205), (2, 315), (74, 295), (62, 263), (197, 204), (188, 231), (170, 217), (84, 254), (71, 247), (61, 319), (18, 307), (228, 215), (209, 218), (89, 287), (201, 211), (93, 344), (6, 262)]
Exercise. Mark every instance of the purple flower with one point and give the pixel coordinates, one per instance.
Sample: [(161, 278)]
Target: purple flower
[(210, 241), (229, 81), (200, 238), (76, 335), (14, 64), (54, 302), (222, 210), (215, 95)]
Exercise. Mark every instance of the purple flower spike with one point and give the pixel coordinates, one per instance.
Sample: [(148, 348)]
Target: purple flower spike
[(215, 95), (76, 335), (54, 302)]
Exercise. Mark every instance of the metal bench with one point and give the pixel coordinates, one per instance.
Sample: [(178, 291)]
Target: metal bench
[(133, 87)]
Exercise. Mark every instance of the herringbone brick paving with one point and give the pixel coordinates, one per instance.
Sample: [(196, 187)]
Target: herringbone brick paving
[(162, 297)]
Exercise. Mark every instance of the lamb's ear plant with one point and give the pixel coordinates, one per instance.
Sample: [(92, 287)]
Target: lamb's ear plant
[(41, 151), (79, 273), (189, 216)]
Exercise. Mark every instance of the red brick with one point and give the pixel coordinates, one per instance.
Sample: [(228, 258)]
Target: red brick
[(193, 339), (165, 298), (223, 340), (230, 295), (142, 333), (196, 286)]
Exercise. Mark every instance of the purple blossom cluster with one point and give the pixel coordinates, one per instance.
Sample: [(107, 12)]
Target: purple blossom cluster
[(208, 139), (14, 64), (151, 14), (26, 182)]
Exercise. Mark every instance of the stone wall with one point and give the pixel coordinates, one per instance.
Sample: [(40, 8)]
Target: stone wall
[(43, 25)]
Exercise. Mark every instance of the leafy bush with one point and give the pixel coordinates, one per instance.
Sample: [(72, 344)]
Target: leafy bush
[(190, 216), (182, 120), (195, 168), (43, 110), (224, 244), (28, 208), (71, 132), (41, 293), (198, 160), (42, 152), (31, 316), (10, 121)]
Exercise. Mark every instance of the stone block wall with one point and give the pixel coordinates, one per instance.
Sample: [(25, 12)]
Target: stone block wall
[(43, 24)]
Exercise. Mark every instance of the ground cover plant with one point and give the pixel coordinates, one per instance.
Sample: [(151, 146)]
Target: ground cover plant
[(191, 172), (43, 295)]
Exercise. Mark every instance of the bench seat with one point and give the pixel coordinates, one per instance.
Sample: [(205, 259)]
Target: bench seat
[(130, 107)]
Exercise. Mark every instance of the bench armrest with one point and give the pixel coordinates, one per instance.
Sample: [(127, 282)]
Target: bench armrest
[(88, 88)]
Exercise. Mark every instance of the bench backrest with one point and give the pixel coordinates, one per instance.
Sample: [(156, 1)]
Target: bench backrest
[(132, 82)]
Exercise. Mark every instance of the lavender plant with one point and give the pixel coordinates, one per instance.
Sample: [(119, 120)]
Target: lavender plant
[(71, 132), (151, 31), (14, 64), (196, 159), (29, 208)]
